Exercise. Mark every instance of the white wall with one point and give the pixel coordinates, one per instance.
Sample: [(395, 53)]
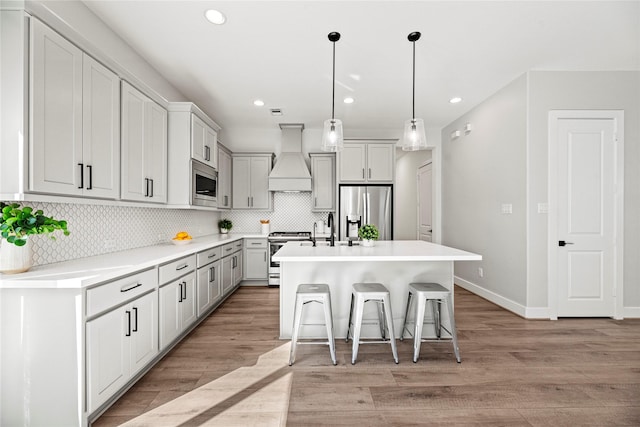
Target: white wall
[(481, 171), (553, 90)]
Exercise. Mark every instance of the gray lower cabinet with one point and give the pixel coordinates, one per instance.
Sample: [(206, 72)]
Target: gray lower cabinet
[(209, 279), (122, 340), (256, 259), (177, 296)]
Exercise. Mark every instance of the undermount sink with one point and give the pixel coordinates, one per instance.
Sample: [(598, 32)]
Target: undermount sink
[(325, 243)]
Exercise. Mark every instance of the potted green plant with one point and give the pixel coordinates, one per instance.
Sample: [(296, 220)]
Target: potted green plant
[(16, 226), (368, 233), (225, 225)]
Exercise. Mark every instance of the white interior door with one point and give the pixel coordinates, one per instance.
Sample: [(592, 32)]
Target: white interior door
[(425, 203), (585, 215)]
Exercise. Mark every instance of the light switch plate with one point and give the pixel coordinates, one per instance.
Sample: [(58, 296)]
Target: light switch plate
[(507, 208), (543, 208)]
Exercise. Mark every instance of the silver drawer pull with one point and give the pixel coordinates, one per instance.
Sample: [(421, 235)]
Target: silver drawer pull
[(182, 267), (212, 256), (132, 287), (256, 243), (229, 249)]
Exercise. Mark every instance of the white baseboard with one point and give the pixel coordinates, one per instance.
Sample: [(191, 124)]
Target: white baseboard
[(506, 303), (631, 312)]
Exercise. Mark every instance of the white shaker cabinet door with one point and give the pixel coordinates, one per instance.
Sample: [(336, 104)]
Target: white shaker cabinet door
[(107, 356), (224, 179), (144, 331), (134, 182), (260, 168), (323, 182), (204, 290), (170, 320), (156, 152), (255, 264), (352, 164), (380, 162), (241, 182), (227, 274), (100, 130), (188, 305), (55, 161)]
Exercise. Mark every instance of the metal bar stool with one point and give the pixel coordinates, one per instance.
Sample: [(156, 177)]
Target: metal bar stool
[(362, 293), (305, 294), (437, 295)]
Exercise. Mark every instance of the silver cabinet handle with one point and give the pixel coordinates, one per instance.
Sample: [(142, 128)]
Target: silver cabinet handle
[(213, 255), (226, 200), (248, 202), (362, 173), (182, 267), (369, 173)]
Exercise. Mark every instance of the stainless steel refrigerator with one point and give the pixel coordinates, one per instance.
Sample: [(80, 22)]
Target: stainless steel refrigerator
[(367, 204)]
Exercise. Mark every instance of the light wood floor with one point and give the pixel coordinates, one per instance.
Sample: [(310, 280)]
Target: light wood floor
[(232, 370)]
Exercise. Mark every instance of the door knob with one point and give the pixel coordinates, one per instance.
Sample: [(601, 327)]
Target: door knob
[(563, 243)]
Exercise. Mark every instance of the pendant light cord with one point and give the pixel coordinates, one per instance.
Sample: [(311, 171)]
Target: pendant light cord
[(333, 94), (413, 111)]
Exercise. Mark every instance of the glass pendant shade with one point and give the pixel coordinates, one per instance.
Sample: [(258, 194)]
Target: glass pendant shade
[(414, 136), (332, 139)]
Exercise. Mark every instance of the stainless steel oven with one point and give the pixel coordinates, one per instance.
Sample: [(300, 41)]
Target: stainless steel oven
[(277, 240)]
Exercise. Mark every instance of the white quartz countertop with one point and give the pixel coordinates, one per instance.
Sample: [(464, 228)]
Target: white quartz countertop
[(387, 250), (89, 271)]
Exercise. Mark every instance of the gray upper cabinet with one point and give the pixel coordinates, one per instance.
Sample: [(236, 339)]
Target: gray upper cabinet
[(224, 178), (75, 116), (251, 180), (144, 147), (367, 162), (323, 182)]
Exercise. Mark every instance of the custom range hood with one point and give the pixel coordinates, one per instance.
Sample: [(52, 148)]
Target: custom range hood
[(291, 172)]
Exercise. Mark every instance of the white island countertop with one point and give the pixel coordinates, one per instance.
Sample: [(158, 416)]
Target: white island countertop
[(384, 250)]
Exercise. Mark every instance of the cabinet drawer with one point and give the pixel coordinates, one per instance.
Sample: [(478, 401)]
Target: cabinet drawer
[(209, 256), (228, 249), (255, 243), (113, 293), (237, 246), (177, 268)]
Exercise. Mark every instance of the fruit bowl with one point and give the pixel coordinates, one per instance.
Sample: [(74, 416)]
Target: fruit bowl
[(180, 242)]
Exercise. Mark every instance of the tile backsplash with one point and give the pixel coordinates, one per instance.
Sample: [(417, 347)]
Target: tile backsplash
[(98, 229), (291, 212)]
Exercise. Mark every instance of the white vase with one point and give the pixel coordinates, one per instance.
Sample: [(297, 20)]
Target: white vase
[(367, 242), (15, 259), (224, 230)]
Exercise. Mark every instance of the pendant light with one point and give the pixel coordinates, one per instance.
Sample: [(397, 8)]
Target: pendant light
[(414, 136), (332, 133)]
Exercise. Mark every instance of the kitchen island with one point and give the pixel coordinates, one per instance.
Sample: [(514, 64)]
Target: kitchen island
[(394, 263)]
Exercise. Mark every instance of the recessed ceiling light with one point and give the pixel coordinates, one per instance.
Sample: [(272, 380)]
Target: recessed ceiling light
[(455, 100), (349, 100), (215, 17), (258, 103)]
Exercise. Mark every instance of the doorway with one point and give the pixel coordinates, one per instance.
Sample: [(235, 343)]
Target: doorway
[(425, 202), (586, 159)]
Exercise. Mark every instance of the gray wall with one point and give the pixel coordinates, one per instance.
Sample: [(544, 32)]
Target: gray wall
[(406, 193), (505, 160), (553, 90), (481, 171)]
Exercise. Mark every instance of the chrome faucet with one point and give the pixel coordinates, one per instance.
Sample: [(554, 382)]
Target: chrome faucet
[(332, 225)]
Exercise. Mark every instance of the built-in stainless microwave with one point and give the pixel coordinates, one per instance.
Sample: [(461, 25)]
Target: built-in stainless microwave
[(204, 185)]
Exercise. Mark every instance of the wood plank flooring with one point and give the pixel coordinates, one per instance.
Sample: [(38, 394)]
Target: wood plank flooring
[(233, 370)]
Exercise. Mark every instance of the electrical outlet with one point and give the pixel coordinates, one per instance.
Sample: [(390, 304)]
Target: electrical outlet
[(480, 272)]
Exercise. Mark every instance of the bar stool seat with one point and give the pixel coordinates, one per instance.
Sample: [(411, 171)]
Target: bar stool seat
[(437, 295), (305, 294), (362, 293)]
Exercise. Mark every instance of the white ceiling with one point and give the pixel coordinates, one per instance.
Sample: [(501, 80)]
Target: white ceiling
[(278, 51)]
